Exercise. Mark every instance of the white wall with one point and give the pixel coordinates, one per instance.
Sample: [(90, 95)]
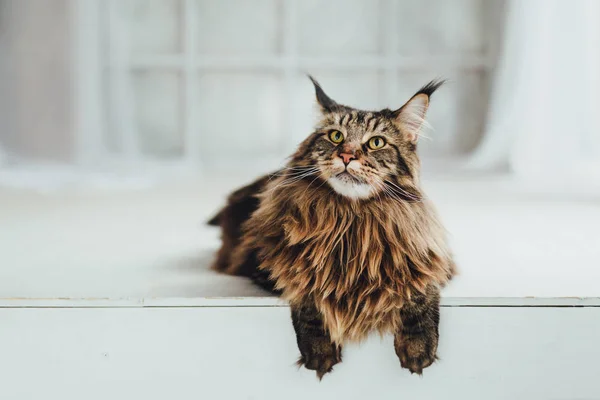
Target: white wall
[(251, 59), (7, 105), (35, 75), (179, 76)]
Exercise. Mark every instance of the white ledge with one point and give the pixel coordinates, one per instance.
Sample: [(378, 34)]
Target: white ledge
[(149, 247), (276, 302)]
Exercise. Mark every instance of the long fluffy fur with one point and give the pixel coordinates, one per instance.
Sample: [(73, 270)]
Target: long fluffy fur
[(358, 262)]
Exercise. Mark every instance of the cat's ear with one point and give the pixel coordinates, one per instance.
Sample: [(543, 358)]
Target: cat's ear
[(411, 116), (326, 104)]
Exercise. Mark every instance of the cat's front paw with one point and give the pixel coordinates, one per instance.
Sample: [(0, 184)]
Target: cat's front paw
[(321, 358), (417, 352)]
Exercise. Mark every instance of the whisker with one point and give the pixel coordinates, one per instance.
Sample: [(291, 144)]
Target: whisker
[(293, 179), (391, 191), (402, 190), (294, 173), (311, 182), (284, 171), (379, 186)]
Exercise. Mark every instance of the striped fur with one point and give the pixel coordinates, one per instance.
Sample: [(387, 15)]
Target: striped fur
[(347, 265)]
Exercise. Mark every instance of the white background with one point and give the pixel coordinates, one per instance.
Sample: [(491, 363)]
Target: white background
[(210, 82)]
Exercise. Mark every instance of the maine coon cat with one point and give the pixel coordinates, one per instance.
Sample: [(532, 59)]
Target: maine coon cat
[(346, 235)]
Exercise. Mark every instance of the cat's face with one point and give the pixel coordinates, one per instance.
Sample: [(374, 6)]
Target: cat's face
[(367, 154), (359, 153)]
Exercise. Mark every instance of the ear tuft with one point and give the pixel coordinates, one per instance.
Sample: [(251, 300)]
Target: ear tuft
[(325, 102), (431, 87), (411, 116)]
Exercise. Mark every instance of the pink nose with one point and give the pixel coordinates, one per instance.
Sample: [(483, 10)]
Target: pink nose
[(347, 157)]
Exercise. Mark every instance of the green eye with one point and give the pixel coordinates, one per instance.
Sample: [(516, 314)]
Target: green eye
[(336, 137), (376, 142)]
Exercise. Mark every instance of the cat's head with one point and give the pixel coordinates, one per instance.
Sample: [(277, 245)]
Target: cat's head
[(367, 154)]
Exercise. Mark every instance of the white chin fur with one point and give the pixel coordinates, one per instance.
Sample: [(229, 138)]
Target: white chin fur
[(352, 190)]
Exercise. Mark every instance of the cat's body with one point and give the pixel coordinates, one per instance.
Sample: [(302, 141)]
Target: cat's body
[(354, 247)]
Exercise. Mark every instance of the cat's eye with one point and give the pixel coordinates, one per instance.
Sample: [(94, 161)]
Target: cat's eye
[(376, 142), (336, 137)]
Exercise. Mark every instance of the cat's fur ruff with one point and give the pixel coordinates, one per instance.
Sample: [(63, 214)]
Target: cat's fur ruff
[(353, 265)]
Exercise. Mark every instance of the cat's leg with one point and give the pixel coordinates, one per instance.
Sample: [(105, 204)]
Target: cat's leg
[(317, 350), (416, 340)]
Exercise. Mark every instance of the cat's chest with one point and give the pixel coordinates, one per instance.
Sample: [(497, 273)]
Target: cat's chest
[(356, 265), (344, 252), (353, 254)]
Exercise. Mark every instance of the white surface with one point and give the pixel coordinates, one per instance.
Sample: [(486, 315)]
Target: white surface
[(105, 293), (150, 245), (249, 353)]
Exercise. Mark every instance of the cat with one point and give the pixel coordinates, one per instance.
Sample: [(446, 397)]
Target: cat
[(346, 236)]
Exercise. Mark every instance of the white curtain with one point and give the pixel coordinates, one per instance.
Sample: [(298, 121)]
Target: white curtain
[(544, 120)]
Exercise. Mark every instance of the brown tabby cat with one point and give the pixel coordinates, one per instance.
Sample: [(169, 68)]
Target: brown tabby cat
[(345, 234)]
